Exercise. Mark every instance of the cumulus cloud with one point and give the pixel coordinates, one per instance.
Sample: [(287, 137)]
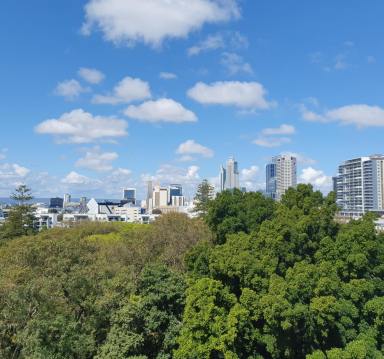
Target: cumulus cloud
[(212, 42), (267, 137), (231, 93), (92, 76), (249, 174), (316, 177), (167, 76), (153, 21), (97, 160), (11, 176), (74, 178), (360, 115), (70, 89), (229, 39), (191, 147), (79, 126), (271, 141), (283, 129), (235, 64), (127, 90), (161, 110)]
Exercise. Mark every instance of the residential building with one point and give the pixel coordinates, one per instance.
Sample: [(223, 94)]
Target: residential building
[(286, 174), (160, 197), (360, 186)]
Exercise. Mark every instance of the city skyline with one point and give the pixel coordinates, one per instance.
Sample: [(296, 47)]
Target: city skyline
[(90, 107)]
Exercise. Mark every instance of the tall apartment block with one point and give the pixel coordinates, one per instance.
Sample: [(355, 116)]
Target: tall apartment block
[(229, 177), (360, 186), (281, 174)]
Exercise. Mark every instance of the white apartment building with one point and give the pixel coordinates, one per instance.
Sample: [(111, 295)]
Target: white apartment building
[(360, 186), (286, 173)]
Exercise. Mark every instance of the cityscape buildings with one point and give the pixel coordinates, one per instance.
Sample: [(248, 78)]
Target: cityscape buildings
[(129, 195), (281, 174), (360, 186), (229, 176)]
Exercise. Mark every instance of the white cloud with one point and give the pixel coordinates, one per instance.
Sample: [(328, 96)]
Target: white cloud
[(267, 136), (371, 59), (92, 76), (167, 76), (153, 21), (284, 129), (235, 64), (359, 115), (70, 89), (127, 90), (316, 177), (97, 160), (228, 39), (212, 42), (74, 178), (191, 147), (161, 110), (79, 126), (231, 93), (11, 176), (271, 141), (249, 174)]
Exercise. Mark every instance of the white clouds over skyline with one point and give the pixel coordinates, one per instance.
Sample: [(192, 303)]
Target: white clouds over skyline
[(153, 21)]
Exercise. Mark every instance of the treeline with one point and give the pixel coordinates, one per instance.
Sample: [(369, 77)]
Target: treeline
[(250, 279)]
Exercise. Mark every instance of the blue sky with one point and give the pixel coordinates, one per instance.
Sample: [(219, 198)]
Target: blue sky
[(97, 95)]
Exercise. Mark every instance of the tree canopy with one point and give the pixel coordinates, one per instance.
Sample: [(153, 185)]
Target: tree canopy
[(251, 279)]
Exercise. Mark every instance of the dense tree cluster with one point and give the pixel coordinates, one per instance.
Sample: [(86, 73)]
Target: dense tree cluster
[(251, 279)]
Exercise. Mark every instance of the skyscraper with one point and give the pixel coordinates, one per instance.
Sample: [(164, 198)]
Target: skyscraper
[(129, 195), (360, 186), (223, 178), (270, 180), (229, 177), (285, 172)]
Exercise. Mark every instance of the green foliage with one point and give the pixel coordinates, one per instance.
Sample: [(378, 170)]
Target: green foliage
[(236, 211), (204, 194), (295, 284), (272, 281), (21, 217), (105, 290)]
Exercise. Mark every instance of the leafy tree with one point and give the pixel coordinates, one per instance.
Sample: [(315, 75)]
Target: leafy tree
[(204, 194), (236, 211), (148, 322)]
